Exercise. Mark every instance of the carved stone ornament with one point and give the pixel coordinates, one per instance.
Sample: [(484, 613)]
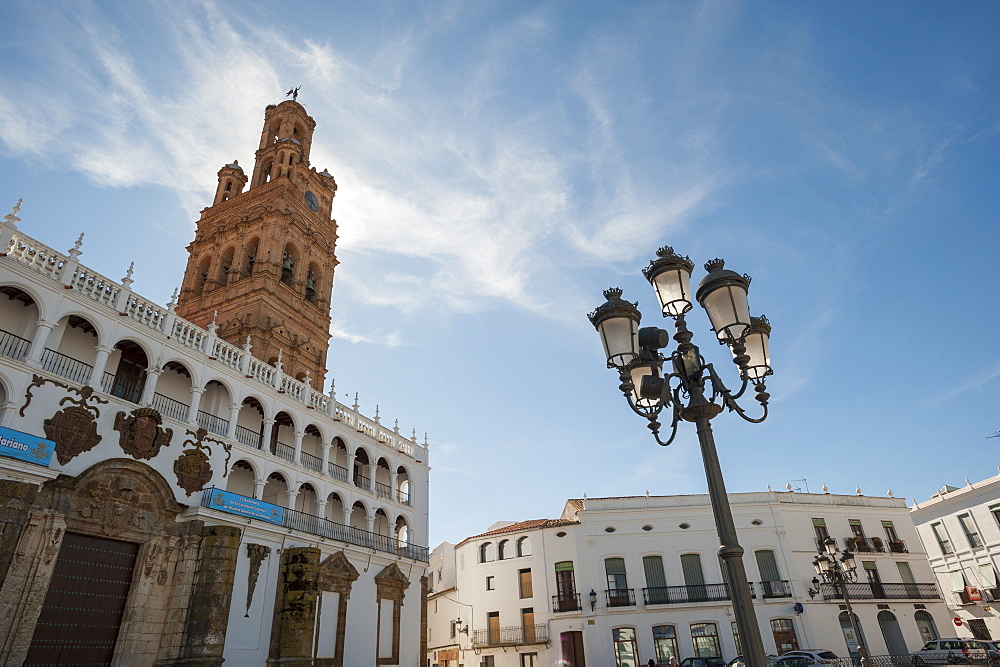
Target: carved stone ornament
[(336, 574), (256, 553), (116, 508), (193, 470), (141, 435), (73, 429), (199, 442), (391, 583)]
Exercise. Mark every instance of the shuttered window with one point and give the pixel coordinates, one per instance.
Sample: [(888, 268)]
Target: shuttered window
[(691, 566), (653, 565), (767, 565)]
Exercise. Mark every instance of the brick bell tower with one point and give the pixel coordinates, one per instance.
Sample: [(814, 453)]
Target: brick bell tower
[(263, 259)]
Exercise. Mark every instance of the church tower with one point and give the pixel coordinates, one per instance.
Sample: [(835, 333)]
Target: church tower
[(261, 263)]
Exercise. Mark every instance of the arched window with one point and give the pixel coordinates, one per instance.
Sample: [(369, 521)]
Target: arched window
[(486, 553), (665, 643), (705, 637), (925, 624), (849, 635), (503, 550), (626, 650), (524, 546)]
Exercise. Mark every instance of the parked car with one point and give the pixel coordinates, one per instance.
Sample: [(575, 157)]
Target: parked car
[(806, 656), (738, 661), (703, 662), (951, 651), (992, 650)]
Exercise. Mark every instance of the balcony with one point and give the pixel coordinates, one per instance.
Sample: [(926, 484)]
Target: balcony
[(881, 591), (775, 589), (13, 346), (897, 546), (685, 594), (309, 523), (168, 407), (283, 451), (213, 424), (514, 635), (127, 389), (72, 369), (337, 472), (314, 463), (864, 545), (383, 490), (566, 602), (248, 437), (620, 597)]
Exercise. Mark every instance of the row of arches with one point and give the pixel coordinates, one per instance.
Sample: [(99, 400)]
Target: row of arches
[(237, 262), (75, 348), (336, 506), (505, 549)]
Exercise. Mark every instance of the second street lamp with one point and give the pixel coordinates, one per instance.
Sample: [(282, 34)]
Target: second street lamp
[(653, 382), (838, 569)]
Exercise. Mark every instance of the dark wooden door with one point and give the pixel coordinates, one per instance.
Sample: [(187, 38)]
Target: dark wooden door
[(85, 602)]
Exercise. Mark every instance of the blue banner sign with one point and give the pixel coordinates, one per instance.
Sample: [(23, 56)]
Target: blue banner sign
[(25, 446), (248, 507)]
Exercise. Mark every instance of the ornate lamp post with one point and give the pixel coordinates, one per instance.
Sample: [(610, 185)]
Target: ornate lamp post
[(838, 572), (677, 382)]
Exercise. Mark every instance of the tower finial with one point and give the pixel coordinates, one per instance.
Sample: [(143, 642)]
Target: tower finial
[(75, 250), (127, 280), (11, 217), (293, 93)]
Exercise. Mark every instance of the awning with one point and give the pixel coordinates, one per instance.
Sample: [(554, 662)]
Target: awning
[(957, 581), (989, 575)]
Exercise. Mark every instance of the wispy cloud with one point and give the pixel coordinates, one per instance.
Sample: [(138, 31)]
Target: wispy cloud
[(974, 383)]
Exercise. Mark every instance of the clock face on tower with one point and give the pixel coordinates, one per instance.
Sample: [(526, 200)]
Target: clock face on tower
[(311, 201)]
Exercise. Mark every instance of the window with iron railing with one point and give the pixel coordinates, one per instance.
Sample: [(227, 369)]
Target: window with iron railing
[(970, 530)]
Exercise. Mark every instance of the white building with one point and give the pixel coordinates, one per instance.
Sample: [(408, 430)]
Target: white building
[(617, 581), (960, 530), (202, 504)]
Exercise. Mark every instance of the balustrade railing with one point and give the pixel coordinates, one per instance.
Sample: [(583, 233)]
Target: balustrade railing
[(309, 523), (403, 497), (58, 267), (897, 546), (284, 451), (127, 389), (383, 490), (249, 437), (72, 369), (13, 346), (513, 635), (362, 481), (337, 472), (566, 602), (169, 407), (312, 462), (213, 423)]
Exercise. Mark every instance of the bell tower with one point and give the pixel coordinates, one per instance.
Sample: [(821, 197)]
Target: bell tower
[(262, 261)]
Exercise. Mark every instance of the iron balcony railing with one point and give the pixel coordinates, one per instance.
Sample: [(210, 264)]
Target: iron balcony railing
[(383, 490), (897, 546), (127, 389), (337, 472), (620, 597), (281, 450), (362, 481), (169, 407), (566, 602), (776, 589), (13, 346), (403, 497), (249, 437), (72, 369), (312, 462), (212, 423), (513, 635), (685, 594), (864, 544), (315, 525), (882, 591)]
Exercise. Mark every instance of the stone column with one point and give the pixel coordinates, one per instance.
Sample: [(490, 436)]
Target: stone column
[(192, 416), (350, 468), (347, 515), (208, 612), (100, 363), (297, 440), (393, 478), (321, 508), (42, 330), (149, 388), (326, 458), (292, 495), (7, 412), (265, 437), (258, 488), (234, 415), (295, 608)]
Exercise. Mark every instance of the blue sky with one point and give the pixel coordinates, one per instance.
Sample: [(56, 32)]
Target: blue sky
[(500, 164)]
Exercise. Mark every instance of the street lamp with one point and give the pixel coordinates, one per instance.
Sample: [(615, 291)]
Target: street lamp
[(653, 382), (838, 572)]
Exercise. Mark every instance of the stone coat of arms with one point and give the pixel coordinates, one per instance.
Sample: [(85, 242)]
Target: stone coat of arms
[(193, 470), (141, 434)]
